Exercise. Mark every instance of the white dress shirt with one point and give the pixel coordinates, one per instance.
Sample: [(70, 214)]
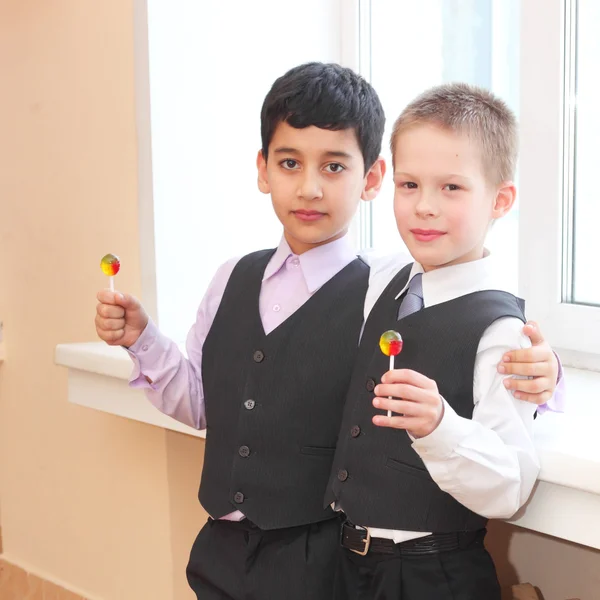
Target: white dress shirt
[(487, 463)]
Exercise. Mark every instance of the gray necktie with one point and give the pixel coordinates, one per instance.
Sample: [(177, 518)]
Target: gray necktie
[(413, 300)]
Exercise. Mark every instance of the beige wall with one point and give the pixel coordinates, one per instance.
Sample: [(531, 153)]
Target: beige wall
[(559, 569), (102, 504), (184, 463), (85, 496), (105, 505)]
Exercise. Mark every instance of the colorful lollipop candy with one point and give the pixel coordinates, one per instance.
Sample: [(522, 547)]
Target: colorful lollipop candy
[(110, 265), (390, 343)]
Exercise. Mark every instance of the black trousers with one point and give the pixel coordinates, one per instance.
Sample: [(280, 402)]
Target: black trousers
[(461, 574), (239, 561)]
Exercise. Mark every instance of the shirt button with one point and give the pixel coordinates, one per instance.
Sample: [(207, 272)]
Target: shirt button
[(259, 356), (296, 262), (355, 431), (249, 404), (145, 347), (342, 474), (276, 308), (244, 451), (370, 385), (238, 498)]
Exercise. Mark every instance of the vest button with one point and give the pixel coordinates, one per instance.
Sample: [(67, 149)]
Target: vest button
[(355, 431), (370, 385), (258, 356), (244, 451), (342, 474), (249, 404), (238, 498)]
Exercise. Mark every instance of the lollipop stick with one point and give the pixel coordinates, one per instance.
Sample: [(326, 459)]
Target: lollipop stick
[(389, 412), (111, 283)]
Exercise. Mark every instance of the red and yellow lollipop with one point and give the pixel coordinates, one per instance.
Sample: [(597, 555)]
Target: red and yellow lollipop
[(390, 344), (110, 265)]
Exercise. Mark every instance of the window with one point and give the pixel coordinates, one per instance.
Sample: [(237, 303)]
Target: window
[(582, 119), (559, 127), (206, 68), (416, 45)]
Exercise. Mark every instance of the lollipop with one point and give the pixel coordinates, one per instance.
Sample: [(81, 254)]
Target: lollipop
[(110, 265), (390, 343)]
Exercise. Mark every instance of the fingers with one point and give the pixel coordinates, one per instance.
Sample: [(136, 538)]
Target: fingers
[(109, 324), (404, 391), (537, 399), (108, 329), (107, 297), (533, 369), (110, 311), (127, 301), (111, 337), (527, 355), (417, 418), (529, 386), (394, 422), (532, 331), (401, 407), (408, 376)]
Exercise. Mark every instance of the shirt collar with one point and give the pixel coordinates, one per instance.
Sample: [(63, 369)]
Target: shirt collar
[(278, 259), (447, 283), (318, 265)]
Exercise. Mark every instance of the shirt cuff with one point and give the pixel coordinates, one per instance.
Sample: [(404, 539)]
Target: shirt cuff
[(443, 440), (147, 353)]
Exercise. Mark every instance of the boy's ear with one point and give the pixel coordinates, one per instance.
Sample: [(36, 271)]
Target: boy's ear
[(505, 199), (373, 180), (263, 178)]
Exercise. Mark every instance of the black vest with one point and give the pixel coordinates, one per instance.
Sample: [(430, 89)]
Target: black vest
[(274, 402), (377, 478)]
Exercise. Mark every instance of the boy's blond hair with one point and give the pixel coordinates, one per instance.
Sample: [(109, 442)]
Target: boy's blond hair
[(474, 111)]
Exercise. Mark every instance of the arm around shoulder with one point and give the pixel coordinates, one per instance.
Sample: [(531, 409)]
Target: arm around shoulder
[(488, 463)]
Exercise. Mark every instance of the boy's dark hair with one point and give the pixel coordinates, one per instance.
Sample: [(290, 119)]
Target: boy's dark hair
[(327, 96)]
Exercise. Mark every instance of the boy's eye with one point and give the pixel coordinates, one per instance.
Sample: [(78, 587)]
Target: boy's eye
[(451, 187), (335, 168), (409, 185), (289, 164)]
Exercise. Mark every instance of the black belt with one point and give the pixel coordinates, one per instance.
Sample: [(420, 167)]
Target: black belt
[(359, 541)]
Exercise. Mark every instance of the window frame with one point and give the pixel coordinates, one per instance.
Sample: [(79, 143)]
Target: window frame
[(545, 183), (546, 215), (355, 16), (543, 218)]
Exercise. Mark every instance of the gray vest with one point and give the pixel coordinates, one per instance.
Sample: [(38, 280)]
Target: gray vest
[(377, 478), (274, 402)]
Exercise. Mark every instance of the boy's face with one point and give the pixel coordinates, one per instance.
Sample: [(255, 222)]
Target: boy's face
[(443, 201), (316, 178)]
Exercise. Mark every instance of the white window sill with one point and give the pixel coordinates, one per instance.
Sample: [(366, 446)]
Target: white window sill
[(98, 376), (565, 503)]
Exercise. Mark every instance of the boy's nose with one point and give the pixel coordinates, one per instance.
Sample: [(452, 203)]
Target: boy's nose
[(426, 206), (310, 187)]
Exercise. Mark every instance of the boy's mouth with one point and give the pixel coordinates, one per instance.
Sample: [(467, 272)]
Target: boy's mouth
[(308, 215), (427, 235)]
